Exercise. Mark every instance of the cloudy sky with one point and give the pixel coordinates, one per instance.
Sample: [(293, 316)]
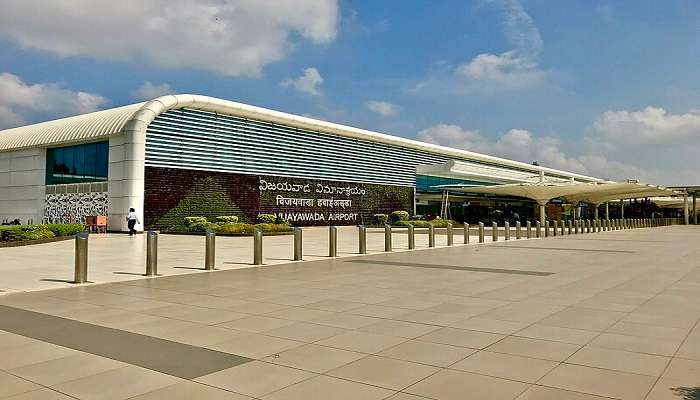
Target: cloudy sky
[(600, 87)]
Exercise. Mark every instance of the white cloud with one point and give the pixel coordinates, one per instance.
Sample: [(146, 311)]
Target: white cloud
[(519, 28), (383, 108), (21, 102), (232, 37), (149, 91), (523, 145), (309, 82), (508, 70), (650, 125)]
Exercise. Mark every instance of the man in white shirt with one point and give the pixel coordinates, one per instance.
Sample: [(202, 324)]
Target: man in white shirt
[(132, 220)]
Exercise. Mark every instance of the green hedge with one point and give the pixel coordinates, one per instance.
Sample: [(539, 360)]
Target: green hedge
[(35, 232), (438, 223)]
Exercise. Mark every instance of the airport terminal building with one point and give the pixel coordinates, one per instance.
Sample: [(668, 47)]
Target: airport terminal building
[(189, 155)]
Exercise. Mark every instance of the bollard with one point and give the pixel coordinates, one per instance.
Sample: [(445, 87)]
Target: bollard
[(81, 257), (387, 237), (481, 232), (450, 237), (332, 241), (561, 228), (257, 246), (411, 237), (494, 232), (546, 228), (362, 239), (538, 229), (570, 225), (298, 244), (576, 226), (431, 235), (506, 226), (588, 226), (517, 229), (528, 230), (554, 229), (151, 253), (466, 233), (210, 249)]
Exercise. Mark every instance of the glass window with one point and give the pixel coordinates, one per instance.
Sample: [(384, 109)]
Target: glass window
[(76, 164)]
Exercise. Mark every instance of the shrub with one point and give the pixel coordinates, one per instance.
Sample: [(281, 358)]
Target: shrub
[(65, 229), (266, 218), (248, 228), (12, 232), (189, 221), (381, 219), (397, 216), (227, 219), (35, 232), (274, 227)]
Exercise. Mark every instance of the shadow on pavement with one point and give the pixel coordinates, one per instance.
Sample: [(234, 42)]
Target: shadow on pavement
[(687, 393)]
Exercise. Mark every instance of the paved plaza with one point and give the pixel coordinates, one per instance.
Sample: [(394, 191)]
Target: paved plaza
[(610, 315)]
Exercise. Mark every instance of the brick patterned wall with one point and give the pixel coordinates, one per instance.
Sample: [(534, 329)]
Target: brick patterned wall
[(172, 194)]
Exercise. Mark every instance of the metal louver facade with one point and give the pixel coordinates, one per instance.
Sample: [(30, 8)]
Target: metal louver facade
[(200, 140)]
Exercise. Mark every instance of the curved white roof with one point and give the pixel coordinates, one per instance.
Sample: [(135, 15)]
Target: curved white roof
[(136, 117)]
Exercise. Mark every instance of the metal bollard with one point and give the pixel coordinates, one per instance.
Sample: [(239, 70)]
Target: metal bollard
[(528, 229), (81, 257), (481, 232), (362, 239), (387, 237), (257, 247), (562, 227), (546, 228), (517, 229), (151, 253), (588, 226), (506, 226), (411, 237), (538, 228), (466, 233), (570, 225), (210, 249), (450, 236), (554, 228), (298, 244), (332, 241), (431, 235), (576, 225), (494, 232)]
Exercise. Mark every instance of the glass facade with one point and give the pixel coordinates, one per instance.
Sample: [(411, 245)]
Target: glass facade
[(77, 164), (427, 183)]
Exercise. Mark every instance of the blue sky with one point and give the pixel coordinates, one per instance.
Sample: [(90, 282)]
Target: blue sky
[(606, 88)]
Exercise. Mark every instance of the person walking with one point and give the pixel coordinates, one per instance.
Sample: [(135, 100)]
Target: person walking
[(132, 220)]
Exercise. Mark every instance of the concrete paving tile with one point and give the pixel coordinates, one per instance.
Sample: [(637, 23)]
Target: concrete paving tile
[(66, 369), (438, 355), (690, 349), (304, 332), (682, 369), (256, 308), (201, 315), (557, 334), (683, 321), (116, 384), (315, 358), (618, 360), (329, 388), (255, 323), (458, 385), (373, 310), (345, 321), (12, 385), (16, 357), (599, 382), (363, 342), (384, 372), (490, 325), (41, 394), (9, 341), (430, 318), (334, 305), (674, 389), (505, 366), (254, 345), (547, 393), (201, 335), (534, 348), (523, 312), (584, 319), (300, 313), (405, 329), (651, 331), (461, 337), (189, 390), (255, 379), (406, 396), (663, 347)]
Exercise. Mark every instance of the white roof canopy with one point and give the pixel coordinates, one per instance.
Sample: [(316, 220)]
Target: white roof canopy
[(574, 192)]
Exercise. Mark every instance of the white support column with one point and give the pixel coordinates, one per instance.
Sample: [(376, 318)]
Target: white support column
[(695, 211), (543, 214), (685, 209), (595, 211), (622, 209)]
